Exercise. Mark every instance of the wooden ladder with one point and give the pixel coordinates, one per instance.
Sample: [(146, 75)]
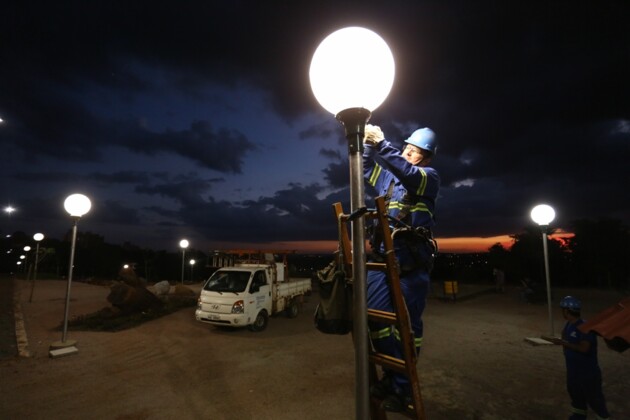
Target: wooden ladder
[(399, 318)]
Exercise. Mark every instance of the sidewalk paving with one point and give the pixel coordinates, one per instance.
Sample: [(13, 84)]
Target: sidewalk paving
[(8, 342)]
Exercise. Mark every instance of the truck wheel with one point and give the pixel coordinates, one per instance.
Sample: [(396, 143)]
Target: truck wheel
[(260, 323), (293, 308)]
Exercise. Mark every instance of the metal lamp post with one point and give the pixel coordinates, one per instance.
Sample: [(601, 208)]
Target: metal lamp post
[(38, 238), (543, 214), (76, 205), (351, 90), (26, 268), (183, 244), (192, 266)]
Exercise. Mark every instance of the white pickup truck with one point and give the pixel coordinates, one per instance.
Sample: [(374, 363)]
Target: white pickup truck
[(245, 295)]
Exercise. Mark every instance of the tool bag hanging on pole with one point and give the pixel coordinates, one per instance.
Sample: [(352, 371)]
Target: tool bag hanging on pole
[(333, 314)]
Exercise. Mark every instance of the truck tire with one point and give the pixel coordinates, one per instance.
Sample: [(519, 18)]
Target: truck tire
[(293, 308), (260, 323)]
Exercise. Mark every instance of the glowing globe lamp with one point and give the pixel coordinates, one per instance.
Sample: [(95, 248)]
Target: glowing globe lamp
[(543, 214), (352, 68), (77, 205)]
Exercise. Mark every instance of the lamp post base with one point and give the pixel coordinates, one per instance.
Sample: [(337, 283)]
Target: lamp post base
[(63, 348)]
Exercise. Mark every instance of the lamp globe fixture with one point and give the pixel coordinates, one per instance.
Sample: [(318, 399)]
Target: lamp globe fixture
[(77, 205), (543, 214), (352, 68)]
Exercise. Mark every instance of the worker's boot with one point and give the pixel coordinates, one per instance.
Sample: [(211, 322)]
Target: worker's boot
[(396, 402), (382, 388)]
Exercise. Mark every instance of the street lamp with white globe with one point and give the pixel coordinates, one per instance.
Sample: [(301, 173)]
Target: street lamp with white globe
[(38, 237), (542, 215), (76, 205), (183, 244), (192, 266), (26, 249), (348, 87)]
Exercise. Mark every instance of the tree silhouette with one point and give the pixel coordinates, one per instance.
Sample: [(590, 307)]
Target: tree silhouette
[(600, 251)]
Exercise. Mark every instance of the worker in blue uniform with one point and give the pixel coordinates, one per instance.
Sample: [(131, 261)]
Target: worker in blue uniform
[(410, 188), (584, 377)]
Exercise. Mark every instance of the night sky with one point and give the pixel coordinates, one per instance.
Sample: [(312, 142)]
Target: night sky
[(195, 119)]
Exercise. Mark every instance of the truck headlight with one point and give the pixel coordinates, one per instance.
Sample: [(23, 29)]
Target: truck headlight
[(199, 303), (238, 307)]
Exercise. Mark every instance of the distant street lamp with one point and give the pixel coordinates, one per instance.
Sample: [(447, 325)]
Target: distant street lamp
[(349, 88), (9, 209), (543, 214), (192, 265), (183, 244), (37, 237), (26, 249), (76, 205)]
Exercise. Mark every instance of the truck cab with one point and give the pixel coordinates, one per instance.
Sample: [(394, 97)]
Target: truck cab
[(236, 297)]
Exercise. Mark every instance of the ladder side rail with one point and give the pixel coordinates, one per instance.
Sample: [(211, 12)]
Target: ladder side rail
[(344, 238), (405, 330)]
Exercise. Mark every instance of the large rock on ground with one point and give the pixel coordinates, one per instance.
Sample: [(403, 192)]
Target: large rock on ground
[(162, 288)]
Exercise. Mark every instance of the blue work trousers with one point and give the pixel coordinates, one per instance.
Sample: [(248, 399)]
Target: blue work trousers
[(585, 390)]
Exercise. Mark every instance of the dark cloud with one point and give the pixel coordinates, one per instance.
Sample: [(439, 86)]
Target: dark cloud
[(222, 150)]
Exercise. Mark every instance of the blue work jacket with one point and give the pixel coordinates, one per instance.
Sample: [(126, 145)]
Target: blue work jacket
[(383, 164)]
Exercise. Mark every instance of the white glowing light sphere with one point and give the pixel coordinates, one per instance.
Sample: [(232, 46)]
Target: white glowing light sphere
[(352, 68), (38, 236), (27, 248), (543, 214), (192, 262), (183, 243), (77, 205)]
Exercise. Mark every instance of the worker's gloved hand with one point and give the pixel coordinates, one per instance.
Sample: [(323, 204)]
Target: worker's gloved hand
[(373, 135)]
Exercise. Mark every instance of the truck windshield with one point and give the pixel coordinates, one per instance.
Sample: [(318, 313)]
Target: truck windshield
[(227, 281)]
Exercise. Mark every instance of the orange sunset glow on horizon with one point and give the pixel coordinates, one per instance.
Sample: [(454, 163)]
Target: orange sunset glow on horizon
[(458, 245)]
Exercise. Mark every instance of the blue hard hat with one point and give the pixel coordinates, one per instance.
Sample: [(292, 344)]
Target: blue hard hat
[(423, 138), (569, 302)]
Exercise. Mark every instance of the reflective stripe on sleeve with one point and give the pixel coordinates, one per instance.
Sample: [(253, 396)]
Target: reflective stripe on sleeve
[(376, 172), (423, 183)]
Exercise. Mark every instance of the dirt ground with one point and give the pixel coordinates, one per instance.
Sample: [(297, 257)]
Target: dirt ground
[(474, 364)]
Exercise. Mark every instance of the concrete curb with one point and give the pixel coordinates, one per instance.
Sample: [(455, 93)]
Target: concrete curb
[(20, 331)]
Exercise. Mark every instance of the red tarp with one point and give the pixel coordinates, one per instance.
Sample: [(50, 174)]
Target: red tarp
[(613, 325)]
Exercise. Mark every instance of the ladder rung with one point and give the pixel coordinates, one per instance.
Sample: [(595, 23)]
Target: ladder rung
[(376, 266), (388, 361), (372, 266), (382, 316)]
